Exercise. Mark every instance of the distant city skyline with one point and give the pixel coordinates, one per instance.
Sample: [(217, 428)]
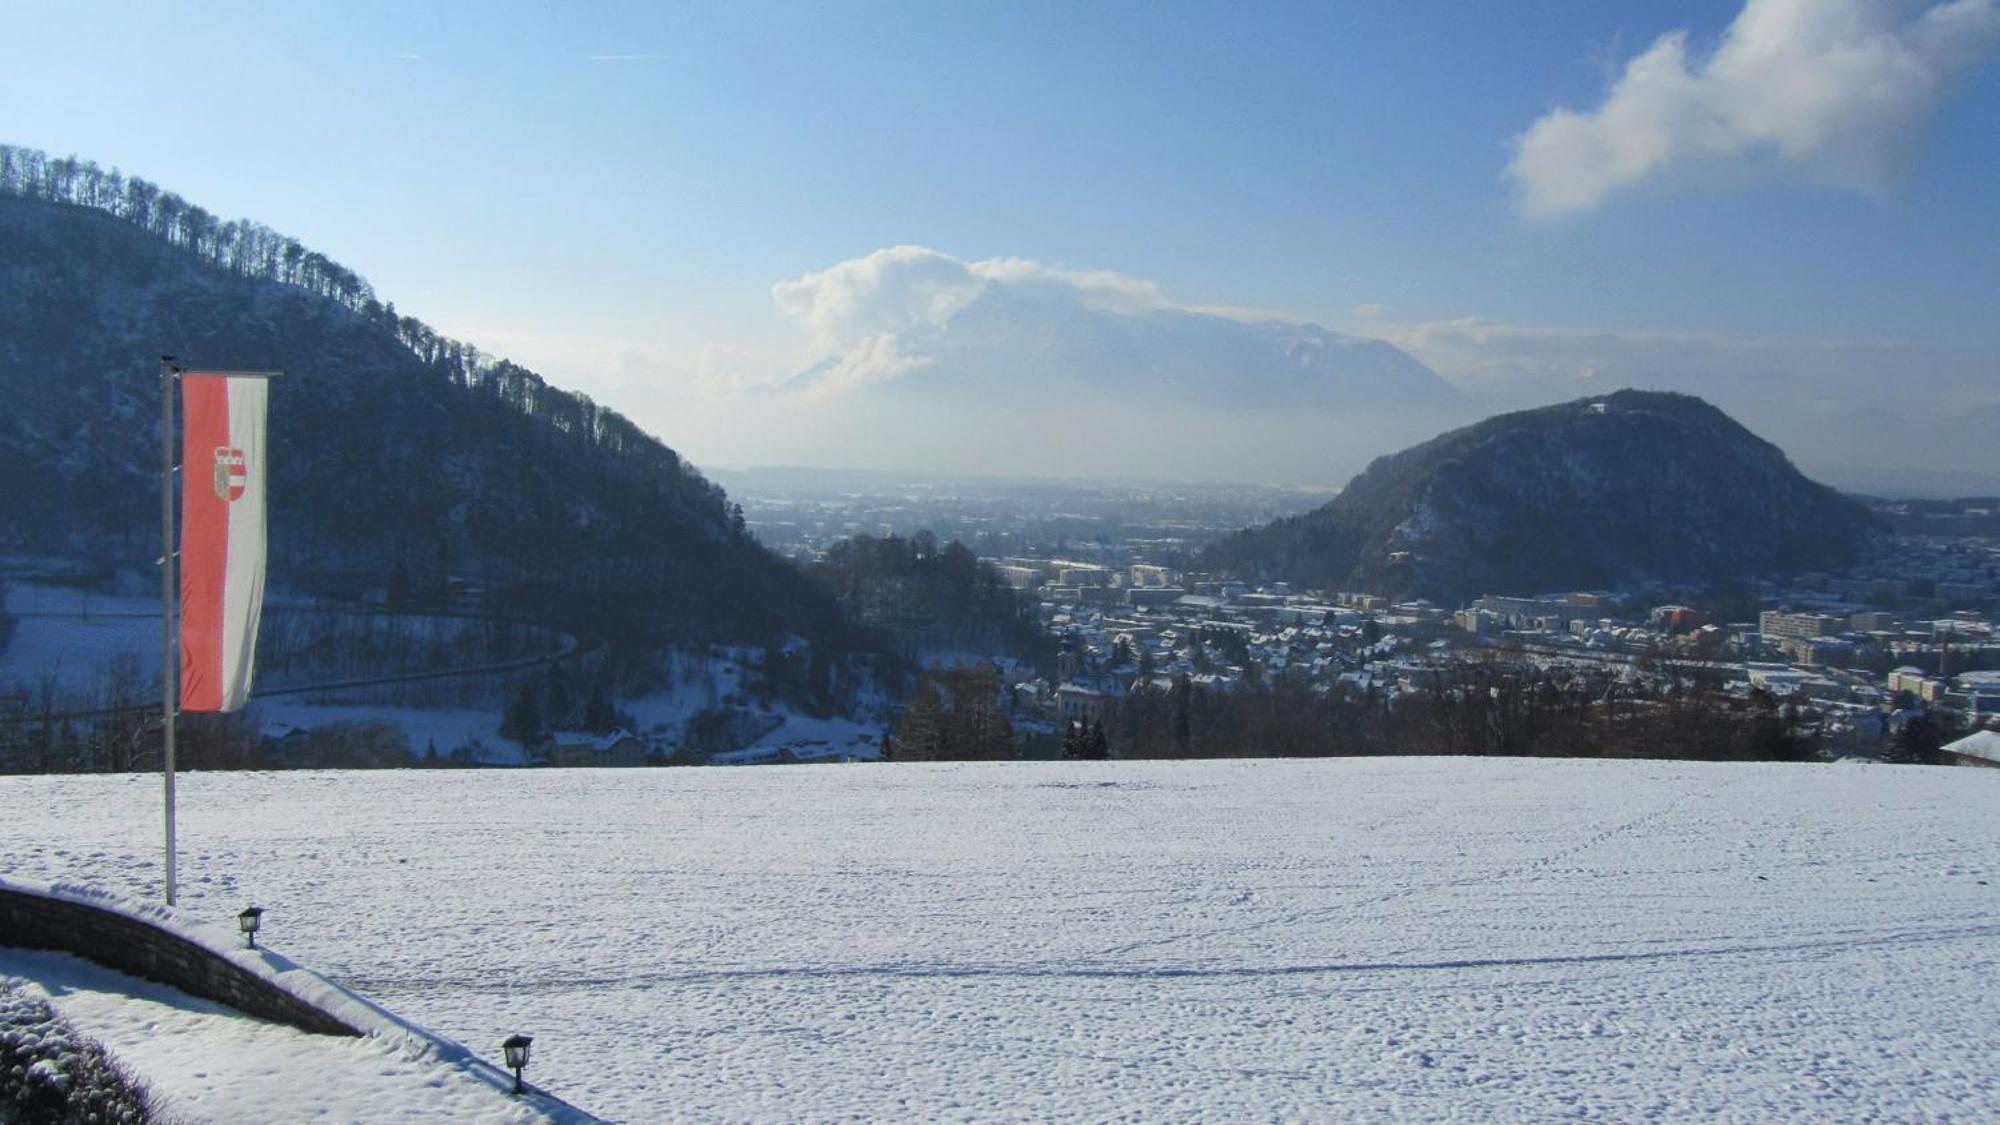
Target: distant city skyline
[(1785, 206)]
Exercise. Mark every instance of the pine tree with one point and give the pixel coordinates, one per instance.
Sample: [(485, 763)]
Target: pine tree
[(558, 702), (1183, 689), (1916, 741), (523, 722), (598, 717)]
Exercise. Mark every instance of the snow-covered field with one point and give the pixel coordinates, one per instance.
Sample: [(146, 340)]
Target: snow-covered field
[(1134, 941), (73, 637)]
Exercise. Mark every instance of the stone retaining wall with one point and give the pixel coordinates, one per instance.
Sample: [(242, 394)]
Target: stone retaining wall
[(116, 941)]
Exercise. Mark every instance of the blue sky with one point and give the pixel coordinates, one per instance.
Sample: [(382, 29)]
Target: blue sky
[(610, 192)]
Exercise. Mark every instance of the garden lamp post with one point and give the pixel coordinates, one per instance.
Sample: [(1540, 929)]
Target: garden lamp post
[(248, 922), (516, 1047)]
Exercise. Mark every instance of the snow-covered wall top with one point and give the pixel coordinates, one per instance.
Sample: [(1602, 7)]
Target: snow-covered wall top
[(204, 959)]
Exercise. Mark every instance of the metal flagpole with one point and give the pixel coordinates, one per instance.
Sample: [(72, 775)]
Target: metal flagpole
[(169, 599)]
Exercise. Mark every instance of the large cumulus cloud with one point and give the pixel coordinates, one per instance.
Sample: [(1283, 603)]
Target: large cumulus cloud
[(870, 318), (918, 357), (1834, 90)]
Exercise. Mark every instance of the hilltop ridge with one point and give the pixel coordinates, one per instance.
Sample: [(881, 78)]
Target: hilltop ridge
[(1611, 491), (404, 464)]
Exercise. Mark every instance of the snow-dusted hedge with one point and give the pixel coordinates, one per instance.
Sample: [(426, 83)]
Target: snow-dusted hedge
[(50, 1072)]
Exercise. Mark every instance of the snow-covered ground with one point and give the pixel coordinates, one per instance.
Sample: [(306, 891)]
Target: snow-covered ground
[(205, 1062), (723, 677), (1470, 938), (75, 638)]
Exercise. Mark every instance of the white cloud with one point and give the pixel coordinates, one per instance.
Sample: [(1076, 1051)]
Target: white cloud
[(908, 291), (914, 287), (886, 292), (876, 359), (1096, 289), (871, 318), (1835, 90)]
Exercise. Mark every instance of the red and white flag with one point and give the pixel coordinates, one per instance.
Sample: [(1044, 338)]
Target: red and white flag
[(222, 537)]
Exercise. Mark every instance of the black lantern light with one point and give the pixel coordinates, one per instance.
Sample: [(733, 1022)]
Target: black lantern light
[(248, 921), (517, 1056)]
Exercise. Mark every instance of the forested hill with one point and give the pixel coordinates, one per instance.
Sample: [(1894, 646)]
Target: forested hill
[(402, 461), (1630, 488), (928, 598)]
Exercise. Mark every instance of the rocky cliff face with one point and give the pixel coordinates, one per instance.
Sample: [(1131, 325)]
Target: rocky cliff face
[(1605, 492)]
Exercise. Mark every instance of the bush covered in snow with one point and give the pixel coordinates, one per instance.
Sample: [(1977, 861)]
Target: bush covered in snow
[(50, 1072)]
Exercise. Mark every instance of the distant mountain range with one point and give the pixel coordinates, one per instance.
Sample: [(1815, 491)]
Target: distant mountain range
[(1002, 338), (1607, 492), (1012, 368), (403, 463)]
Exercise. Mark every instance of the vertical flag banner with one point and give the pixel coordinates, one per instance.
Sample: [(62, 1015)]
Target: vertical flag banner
[(222, 537)]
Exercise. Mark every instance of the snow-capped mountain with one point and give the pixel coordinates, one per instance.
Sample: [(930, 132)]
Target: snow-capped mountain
[(1005, 366)]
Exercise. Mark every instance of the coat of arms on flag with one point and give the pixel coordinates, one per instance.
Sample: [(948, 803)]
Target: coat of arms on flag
[(222, 536), (232, 472)]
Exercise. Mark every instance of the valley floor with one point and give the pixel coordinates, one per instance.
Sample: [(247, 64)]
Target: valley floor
[(1437, 937)]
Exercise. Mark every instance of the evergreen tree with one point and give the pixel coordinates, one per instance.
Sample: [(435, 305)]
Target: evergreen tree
[(523, 721), (1916, 741), (559, 705), (1183, 715), (598, 715)]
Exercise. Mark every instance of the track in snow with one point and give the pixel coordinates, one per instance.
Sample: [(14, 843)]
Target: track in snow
[(1487, 939)]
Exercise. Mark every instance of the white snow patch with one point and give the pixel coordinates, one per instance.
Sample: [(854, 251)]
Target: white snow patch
[(446, 728), (206, 1062), (211, 1062)]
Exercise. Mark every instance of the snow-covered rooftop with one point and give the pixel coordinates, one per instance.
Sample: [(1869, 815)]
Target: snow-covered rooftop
[(1979, 744)]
